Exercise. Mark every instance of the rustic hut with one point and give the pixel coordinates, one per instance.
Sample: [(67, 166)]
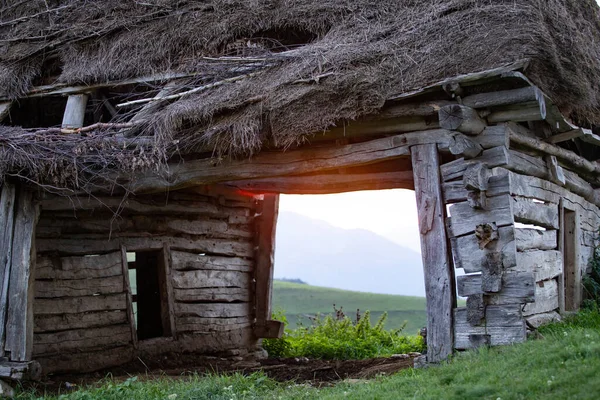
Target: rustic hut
[(151, 140)]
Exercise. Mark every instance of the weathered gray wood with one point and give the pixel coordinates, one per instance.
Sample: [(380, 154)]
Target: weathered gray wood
[(328, 183), (21, 371), (531, 239), (572, 260), (546, 298), (183, 261), (213, 310), (167, 302), (491, 272), (563, 137), (491, 158), (75, 111), (213, 328), (523, 112), (4, 109), (535, 213), (493, 136), (545, 264), (216, 295), (468, 254), (437, 267), (475, 309), (503, 323), (128, 296), (456, 117), (517, 287), (198, 324), (210, 278), (500, 98), (265, 260), (78, 287), (455, 191), (538, 320), (80, 340), (86, 267), (476, 177), (7, 218), (557, 174), (527, 165), (464, 219), (75, 305), (87, 361), (19, 318), (60, 322)]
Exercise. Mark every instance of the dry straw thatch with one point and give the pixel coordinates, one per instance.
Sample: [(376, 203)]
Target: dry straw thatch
[(363, 51)]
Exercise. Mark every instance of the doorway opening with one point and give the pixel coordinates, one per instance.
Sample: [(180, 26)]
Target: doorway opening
[(147, 279)]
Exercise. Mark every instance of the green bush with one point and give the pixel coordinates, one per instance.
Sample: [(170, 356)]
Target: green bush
[(340, 338), (591, 283)]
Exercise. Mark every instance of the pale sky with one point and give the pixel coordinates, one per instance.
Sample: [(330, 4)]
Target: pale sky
[(390, 213)]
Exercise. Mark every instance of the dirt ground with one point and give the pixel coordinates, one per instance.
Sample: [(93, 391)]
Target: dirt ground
[(301, 370)]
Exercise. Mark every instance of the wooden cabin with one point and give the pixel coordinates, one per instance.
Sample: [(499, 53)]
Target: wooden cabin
[(144, 148)]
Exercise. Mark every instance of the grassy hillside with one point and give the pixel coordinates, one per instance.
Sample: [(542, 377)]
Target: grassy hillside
[(298, 301)]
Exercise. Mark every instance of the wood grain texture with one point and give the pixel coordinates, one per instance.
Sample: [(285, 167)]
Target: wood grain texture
[(535, 239), (76, 305), (213, 310), (545, 264), (535, 213), (464, 219), (215, 295), (546, 298), (80, 340), (504, 324), (7, 219), (186, 261), (78, 268), (198, 279), (437, 267), (78, 287), (517, 287), (468, 255), (61, 322)]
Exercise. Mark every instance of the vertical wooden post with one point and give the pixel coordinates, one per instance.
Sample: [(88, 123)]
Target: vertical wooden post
[(436, 263), (263, 274), (19, 325), (75, 111), (7, 217), (167, 299), (571, 260), (128, 300)]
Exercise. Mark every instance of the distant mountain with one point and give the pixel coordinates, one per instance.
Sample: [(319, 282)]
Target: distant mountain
[(324, 255)]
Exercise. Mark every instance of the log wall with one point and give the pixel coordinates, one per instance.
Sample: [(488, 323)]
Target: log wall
[(82, 309)]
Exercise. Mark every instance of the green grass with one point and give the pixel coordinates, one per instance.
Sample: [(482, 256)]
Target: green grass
[(298, 300), (563, 365)]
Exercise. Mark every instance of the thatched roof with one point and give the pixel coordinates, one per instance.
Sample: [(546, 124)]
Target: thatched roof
[(307, 64)]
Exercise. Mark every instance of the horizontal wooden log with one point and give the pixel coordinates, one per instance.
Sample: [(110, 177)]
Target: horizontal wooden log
[(457, 117), (468, 254), (493, 136), (538, 320), (86, 361), (328, 183), (78, 287), (455, 191), (207, 321), (464, 218), (87, 267), (523, 112), (74, 246), (546, 298), (491, 158), (212, 328), (216, 295), (210, 279), (80, 340), (501, 97), (532, 239), (535, 213), (517, 287), (62, 322), (369, 127), (21, 371), (75, 305), (213, 310), (183, 261), (545, 264), (504, 325)]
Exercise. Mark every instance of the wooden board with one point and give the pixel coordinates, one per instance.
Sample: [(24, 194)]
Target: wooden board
[(216, 295), (491, 158), (464, 218), (535, 213), (455, 191), (504, 324), (75, 305), (80, 340), (78, 287), (183, 261), (468, 255), (517, 287), (87, 361), (19, 318), (545, 264), (532, 239), (86, 267), (439, 276), (213, 310), (60, 322), (210, 279), (7, 218), (546, 298)]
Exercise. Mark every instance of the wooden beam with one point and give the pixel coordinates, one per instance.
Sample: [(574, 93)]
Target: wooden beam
[(438, 272), (20, 371), (265, 260), (460, 118), (523, 112), (7, 217), (75, 111), (327, 183), (501, 98), (19, 325)]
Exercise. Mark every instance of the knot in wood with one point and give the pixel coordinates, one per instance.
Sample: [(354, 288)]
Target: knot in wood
[(486, 233)]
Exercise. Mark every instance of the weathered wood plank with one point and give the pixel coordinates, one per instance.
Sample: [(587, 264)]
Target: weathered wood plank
[(504, 324), (468, 255), (167, 301), (538, 320), (545, 264), (60, 322), (19, 318), (464, 219), (80, 340), (572, 259), (207, 321), (128, 297), (210, 279), (535, 213), (75, 111), (491, 158), (75, 305), (7, 218), (213, 328), (265, 258), (216, 295), (500, 98), (493, 136), (215, 246), (21, 371), (439, 277), (455, 191), (78, 287), (532, 239), (546, 298), (213, 310), (87, 361), (457, 117), (86, 267), (517, 287), (183, 261)]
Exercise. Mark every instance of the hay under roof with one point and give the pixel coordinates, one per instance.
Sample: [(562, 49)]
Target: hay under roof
[(304, 64)]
